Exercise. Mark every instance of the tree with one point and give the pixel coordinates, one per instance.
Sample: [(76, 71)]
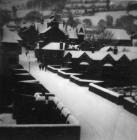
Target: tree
[(87, 22), (102, 25), (77, 21), (109, 21), (14, 12), (33, 16), (127, 23), (71, 22), (5, 17), (108, 4)]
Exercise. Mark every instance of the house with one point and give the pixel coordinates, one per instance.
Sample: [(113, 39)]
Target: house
[(51, 47), (9, 57), (10, 47), (52, 53), (119, 37), (52, 34), (123, 61), (67, 59), (76, 34)]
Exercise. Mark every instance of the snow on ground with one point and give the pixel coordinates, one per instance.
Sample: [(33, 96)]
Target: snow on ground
[(99, 118)]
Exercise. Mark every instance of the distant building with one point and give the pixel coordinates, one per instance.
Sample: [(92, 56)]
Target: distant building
[(119, 37), (85, 6)]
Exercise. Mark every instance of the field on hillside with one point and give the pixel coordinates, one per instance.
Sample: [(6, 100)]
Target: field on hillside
[(102, 15)]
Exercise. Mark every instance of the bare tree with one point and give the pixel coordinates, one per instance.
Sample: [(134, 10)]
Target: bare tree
[(105, 35), (71, 21)]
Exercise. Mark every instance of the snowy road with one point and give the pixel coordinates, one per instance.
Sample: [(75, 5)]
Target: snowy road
[(99, 118)]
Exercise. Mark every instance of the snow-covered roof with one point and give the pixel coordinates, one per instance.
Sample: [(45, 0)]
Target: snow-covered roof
[(117, 56), (105, 49), (119, 34), (23, 13), (127, 49), (131, 55), (120, 48), (130, 52), (89, 53), (98, 55), (42, 28), (95, 56), (9, 35), (52, 46), (72, 32), (66, 53), (76, 54)]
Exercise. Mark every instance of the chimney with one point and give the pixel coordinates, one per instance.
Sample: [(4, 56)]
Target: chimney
[(61, 45)]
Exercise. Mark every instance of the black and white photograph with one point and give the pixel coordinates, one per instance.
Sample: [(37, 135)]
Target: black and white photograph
[(68, 69)]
